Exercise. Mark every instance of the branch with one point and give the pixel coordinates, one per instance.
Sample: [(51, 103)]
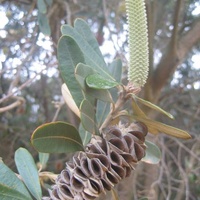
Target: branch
[(17, 103), (172, 59)]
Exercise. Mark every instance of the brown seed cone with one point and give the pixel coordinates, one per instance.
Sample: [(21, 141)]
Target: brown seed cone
[(104, 163)]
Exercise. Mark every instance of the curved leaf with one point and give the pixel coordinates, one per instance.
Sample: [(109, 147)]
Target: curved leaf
[(97, 81), (69, 55), (11, 187), (28, 171), (153, 154), (153, 106), (56, 137), (163, 128)]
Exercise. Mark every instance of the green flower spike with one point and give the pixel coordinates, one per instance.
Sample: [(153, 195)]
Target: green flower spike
[(138, 42)]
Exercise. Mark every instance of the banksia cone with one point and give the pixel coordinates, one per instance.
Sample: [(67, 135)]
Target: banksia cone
[(105, 162)]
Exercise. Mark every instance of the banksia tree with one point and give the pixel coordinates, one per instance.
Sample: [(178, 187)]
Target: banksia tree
[(110, 139)]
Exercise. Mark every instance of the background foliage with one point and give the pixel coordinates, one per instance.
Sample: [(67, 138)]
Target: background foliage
[(30, 92)]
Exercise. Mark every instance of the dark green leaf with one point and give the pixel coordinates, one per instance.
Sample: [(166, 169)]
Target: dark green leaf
[(97, 81), (42, 6), (85, 135), (92, 58), (88, 117), (82, 27), (81, 72), (56, 137), (11, 187), (44, 24), (28, 171), (69, 55), (153, 154)]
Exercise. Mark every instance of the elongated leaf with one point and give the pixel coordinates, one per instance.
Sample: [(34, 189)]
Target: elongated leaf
[(97, 81), (43, 158), (42, 6), (88, 117), (82, 27), (138, 112), (56, 137), (85, 135), (91, 57), (163, 128), (157, 127), (153, 154), (28, 171), (44, 24), (69, 55), (7, 193), (153, 106), (11, 187), (81, 72)]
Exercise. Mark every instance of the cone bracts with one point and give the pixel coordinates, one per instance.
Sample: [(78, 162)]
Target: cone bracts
[(105, 162)]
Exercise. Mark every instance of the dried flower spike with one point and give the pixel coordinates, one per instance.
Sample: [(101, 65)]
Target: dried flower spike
[(138, 42), (104, 163)]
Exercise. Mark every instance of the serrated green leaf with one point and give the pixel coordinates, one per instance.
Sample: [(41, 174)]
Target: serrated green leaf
[(97, 81), (85, 135), (56, 137), (153, 154), (92, 58), (69, 55), (28, 171), (153, 106), (42, 6), (44, 24), (88, 117), (82, 27), (11, 187), (43, 159), (81, 72)]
